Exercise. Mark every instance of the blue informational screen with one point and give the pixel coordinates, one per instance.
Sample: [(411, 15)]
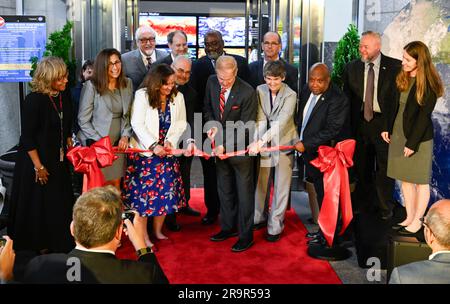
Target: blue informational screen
[(21, 37), (232, 29)]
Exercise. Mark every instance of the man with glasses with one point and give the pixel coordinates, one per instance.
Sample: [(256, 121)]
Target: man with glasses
[(177, 41), (272, 47), (436, 270), (136, 63)]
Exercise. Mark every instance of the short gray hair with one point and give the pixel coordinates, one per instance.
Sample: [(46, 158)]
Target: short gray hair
[(226, 62), (180, 58), (439, 224), (144, 29)]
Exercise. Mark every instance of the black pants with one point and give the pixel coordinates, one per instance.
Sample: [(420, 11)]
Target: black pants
[(210, 186), (370, 162), (237, 200)]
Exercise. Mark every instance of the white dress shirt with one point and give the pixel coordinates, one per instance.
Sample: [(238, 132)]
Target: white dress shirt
[(144, 57)]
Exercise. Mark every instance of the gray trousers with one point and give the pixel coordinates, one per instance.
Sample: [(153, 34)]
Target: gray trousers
[(282, 168)]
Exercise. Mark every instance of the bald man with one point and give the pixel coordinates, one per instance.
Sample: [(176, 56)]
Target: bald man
[(436, 270), (323, 109)]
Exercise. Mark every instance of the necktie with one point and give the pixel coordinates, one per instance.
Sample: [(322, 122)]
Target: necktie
[(149, 62), (222, 101), (308, 114), (368, 98)]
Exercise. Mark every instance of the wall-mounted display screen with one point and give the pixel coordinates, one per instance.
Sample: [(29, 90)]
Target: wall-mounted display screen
[(163, 25), (232, 29)]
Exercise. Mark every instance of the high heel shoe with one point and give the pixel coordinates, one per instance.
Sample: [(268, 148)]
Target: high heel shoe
[(397, 227), (405, 232)]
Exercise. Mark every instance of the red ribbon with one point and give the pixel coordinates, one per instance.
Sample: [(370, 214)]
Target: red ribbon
[(333, 163), (89, 160)]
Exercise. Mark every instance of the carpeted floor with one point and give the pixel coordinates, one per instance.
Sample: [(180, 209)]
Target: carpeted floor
[(189, 257)]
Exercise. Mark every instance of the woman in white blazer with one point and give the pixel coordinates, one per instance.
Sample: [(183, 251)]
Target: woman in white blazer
[(153, 184), (104, 109), (274, 126)]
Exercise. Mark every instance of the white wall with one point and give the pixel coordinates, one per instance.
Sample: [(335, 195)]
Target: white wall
[(338, 16)]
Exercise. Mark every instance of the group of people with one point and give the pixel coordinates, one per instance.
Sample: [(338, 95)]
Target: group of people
[(147, 98)]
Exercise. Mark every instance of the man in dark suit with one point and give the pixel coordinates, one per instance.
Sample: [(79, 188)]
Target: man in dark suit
[(322, 111), (436, 270), (369, 84), (272, 47), (230, 104), (201, 70), (136, 63), (97, 227), (177, 41), (182, 67)]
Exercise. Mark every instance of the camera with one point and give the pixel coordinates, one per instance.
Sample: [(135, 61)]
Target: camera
[(128, 214), (2, 242)]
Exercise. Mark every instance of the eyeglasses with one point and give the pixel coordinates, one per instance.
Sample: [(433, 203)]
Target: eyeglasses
[(145, 40), (212, 43), (422, 220), (266, 43), (116, 63), (182, 71)]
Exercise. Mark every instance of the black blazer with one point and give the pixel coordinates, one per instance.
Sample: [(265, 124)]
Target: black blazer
[(325, 122), (95, 268), (241, 106), (191, 103), (203, 68), (257, 77), (417, 124), (353, 79), (167, 60)]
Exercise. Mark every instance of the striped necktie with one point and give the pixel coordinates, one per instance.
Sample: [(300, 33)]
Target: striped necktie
[(222, 101), (149, 62)]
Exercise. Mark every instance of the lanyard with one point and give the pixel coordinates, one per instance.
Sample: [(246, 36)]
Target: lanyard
[(60, 115)]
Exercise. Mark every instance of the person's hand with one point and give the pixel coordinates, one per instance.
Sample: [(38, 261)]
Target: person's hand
[(255, 147), (168, 145), (300, 147), (407, 152), (190, 150), (131, 230), (211, 133), (42, 175), (7, 258), (385, 136), (123, 143), (219, 150), (159, 150)]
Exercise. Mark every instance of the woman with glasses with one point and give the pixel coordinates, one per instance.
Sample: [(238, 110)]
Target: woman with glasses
[(104, 109), (42, 196), (409, 132)]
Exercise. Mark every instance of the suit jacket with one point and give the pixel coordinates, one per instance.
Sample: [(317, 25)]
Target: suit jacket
[(95, 112), (434, 271), (277, 124), (203, 68), (191, 103), (353, 79), (167, 60), (134, 67), (240, 107), (102, 268), (145, 121), (417, 124), (257, 77), (325, 122)]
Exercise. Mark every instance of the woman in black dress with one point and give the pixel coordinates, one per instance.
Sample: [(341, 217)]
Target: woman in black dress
[(42, 196)]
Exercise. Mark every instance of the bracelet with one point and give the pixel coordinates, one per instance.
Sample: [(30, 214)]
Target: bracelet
[(144, 251), (41, 168)]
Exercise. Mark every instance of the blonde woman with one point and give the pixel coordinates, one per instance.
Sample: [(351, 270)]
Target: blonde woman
[(410, 134), (42, 197)]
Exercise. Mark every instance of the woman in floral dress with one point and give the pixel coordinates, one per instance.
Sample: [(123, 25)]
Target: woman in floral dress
[(153, 184)]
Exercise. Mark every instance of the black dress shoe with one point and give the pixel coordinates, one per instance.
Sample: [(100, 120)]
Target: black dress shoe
[(241, 246), (223, 235), (173, 226), (189, 211), (209, 220), (316, 241), (312, 235), (259, 226), (273, 237)]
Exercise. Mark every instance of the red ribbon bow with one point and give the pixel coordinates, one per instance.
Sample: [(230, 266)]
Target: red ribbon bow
[(333, 163), (89, 160)]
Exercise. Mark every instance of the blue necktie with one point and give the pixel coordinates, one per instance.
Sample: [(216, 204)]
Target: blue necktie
[(308, 114)]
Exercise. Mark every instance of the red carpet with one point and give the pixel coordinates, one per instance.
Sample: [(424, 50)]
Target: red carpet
[(189, 257)]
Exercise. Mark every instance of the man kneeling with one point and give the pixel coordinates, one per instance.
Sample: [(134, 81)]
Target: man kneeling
[(97, 227)]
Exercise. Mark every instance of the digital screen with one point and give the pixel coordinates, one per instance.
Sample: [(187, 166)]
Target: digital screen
[(21, 37), (163, 25), (232, 29)]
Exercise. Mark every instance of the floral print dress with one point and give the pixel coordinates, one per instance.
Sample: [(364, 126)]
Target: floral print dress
[(153, 185)]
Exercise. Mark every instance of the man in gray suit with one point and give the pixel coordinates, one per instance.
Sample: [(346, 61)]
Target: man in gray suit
[(136, 63), (437, 235)]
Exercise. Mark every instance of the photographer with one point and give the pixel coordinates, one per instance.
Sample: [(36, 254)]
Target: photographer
[(97, 227)]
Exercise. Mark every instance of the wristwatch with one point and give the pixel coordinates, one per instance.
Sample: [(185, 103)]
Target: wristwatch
[(144, 251)]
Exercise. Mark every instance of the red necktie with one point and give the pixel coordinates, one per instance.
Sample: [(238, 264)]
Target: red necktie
[(222, 101)]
